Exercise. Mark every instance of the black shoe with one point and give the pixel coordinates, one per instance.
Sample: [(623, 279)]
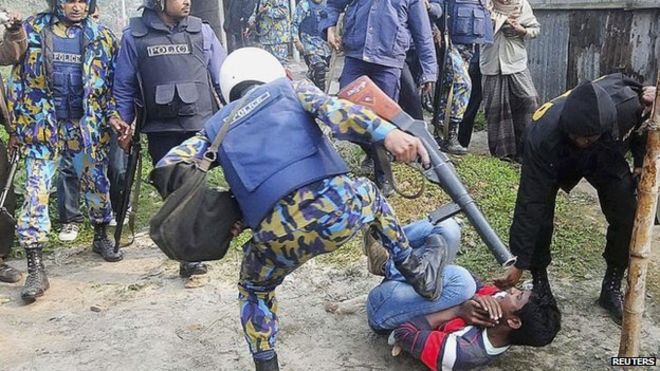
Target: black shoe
[(423, 267), (611, 298), (187, 269), (267, 365), (103, 246), (36, 282), (9, 274)]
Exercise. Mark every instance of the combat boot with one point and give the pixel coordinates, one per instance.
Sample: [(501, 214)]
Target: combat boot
[(376, 254), (267, 365), (9, 274), (422, 269), (611, 298), (36, 282), (451, 144), (103, 246)]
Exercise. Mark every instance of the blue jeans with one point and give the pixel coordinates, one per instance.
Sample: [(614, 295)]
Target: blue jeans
[(394, 301), (68, 184)]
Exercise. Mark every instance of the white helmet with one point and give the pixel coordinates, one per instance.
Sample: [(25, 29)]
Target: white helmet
[(248, 65)]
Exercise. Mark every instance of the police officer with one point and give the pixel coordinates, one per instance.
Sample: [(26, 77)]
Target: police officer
[(308, 40), (377, 35), (297, 198), (469, 24), (60, 95), (12, 47), (176, 58), (585, 133)]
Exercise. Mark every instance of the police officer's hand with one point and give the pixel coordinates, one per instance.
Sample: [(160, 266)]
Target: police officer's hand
[(406, 148), (334, 40), (510, 278), (13, 144), (648, 95), (299, 46), (427, 87), (122, 128)]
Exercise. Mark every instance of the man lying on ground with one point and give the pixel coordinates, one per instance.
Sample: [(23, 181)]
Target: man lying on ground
[(469, 324)]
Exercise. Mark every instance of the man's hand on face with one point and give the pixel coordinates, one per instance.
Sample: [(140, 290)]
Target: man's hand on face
[(334, 40), (406, 148), (509, 279), (480, 311)]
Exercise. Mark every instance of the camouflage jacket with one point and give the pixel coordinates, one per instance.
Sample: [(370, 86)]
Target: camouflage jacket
[(273, 26), (29, 93)]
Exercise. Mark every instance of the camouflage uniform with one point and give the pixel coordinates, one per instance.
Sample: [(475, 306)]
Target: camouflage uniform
[(313, 220), (44, 138), (457, 77), (273, 27)]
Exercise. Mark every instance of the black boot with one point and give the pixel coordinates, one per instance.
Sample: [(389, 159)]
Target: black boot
[(103, 246), (9, 274), (422, 269), (610, 294), (267, 365), (451, 144), (36, 282), (188, 269)]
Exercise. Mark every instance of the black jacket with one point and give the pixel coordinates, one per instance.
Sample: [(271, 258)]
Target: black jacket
[(551, 161), (239, 13)]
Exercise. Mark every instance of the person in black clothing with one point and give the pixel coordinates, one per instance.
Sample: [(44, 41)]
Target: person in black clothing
[(236, 22), (585, 133)]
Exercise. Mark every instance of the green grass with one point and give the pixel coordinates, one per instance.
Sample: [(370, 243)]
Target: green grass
[(493, 184)]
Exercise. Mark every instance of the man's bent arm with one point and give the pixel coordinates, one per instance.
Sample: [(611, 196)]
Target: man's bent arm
[(347, 121)]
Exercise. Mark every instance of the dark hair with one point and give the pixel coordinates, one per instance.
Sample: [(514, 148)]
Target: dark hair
[(541, 321)]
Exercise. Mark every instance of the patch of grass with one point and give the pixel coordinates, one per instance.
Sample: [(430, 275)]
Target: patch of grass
[(577, 242)]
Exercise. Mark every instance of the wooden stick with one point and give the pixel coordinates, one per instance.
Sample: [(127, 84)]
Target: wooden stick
[(642, 237)]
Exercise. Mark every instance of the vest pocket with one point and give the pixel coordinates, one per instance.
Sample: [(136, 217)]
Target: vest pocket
[(174, 100), (189, 96), (463, 22), (164, 98)]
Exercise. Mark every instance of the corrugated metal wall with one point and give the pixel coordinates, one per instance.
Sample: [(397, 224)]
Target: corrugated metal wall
[(579, 42)]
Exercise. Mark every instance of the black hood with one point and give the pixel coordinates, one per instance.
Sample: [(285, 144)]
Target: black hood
[(588, 111)]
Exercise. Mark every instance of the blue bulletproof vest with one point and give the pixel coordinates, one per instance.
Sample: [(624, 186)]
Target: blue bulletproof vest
[(470, 22), (273, 148), (310, 24), (67, 84), (178, 95)]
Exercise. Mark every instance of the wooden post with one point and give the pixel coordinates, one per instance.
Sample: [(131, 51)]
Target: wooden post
[(640, 244)]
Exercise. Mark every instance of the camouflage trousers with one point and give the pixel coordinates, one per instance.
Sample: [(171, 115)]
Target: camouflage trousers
[(282, 244), (33, 221), (280, 51), (457, 77)]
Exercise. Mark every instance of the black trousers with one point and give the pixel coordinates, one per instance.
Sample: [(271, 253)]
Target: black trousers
[(409, 95), (467, 125), (162, 142), (7, 228), (609, 173)]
